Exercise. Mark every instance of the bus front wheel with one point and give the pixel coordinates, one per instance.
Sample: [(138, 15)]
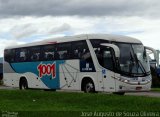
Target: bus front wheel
[(89, 87), (119, 93), (23, 85)]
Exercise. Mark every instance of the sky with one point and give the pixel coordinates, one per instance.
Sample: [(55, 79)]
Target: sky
[(25, 21)]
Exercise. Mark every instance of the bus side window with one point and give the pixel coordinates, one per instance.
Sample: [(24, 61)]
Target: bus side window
[(35, 53), (107, 59), (81, 51), (49, 52), (79, 48), (21, 55), (9, 55), (63, 51)]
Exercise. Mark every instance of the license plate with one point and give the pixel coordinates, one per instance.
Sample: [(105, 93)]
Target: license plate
[(138, 88)]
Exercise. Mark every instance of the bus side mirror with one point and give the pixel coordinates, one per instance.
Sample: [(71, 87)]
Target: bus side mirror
[(114, 47)]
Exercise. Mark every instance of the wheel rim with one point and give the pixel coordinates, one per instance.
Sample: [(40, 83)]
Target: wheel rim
[(22, 87), (89, 87)]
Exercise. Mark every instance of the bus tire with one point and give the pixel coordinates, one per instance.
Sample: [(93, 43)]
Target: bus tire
[(23, 84), (50, 90), (119, 93), (88, 86)]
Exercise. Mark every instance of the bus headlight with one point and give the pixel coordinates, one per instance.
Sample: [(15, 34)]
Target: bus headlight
[(125, 80)]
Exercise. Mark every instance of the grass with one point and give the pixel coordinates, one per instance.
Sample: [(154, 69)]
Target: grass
[(47, 103), (155, 89)]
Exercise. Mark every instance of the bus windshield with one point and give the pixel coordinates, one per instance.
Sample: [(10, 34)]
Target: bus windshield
[(133, 59)]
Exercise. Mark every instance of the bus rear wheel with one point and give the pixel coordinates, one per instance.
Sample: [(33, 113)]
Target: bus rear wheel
[(23, 85)]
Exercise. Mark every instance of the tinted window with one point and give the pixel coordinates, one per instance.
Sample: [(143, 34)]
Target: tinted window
[(21, 55), (107, 59), (104, 54), (80, 50), (35, 53), (63, 51), (96, 42), (49, 52), (9, 55)]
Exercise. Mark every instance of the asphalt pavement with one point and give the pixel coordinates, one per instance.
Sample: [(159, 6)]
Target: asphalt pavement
[(147, 94)]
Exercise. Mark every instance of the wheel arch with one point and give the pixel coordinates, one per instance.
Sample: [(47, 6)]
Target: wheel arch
[(85, 79), (22, 79)]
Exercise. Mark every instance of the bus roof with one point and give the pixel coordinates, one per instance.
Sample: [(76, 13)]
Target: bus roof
[(109, 37)]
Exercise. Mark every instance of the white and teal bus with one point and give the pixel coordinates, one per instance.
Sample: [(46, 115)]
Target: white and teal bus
[(89, 62)]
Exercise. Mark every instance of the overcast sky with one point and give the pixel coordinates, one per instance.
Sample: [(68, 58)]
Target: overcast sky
[(24, 21)]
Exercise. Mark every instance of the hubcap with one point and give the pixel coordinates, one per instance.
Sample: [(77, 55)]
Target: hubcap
[(89, 87)]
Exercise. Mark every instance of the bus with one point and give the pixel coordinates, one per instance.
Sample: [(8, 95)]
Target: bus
[(1, 69), (86, 62), (153, 55)]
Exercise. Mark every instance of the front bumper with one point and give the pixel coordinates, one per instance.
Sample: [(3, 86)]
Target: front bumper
[(125, 87)]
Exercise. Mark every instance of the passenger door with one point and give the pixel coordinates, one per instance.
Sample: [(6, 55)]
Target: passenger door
[(107, 73)]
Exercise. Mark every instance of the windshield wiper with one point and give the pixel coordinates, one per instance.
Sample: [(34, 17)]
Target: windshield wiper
[(140, 64), (131, 64)]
